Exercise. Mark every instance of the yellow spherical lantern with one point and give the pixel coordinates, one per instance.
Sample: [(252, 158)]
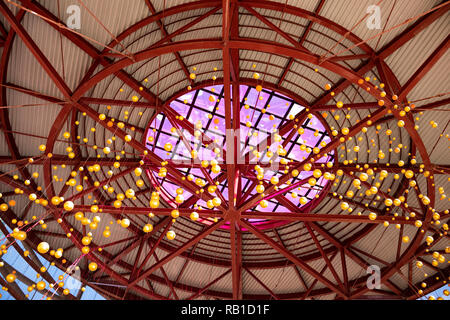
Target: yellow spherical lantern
[(79, 215), (345, 131), (426, 201), (20, 235), (216, 202), (212, 189), (138, 171), (140, 183), (130, 193), (363, 177), (168, 147), (179, 199), (215, 169), (117, 204)]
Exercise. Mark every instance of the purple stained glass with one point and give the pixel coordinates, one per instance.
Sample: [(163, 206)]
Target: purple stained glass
[(261, 115)]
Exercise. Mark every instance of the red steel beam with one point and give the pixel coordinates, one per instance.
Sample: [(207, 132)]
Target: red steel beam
[(146, 210), (28, 41), (4, 114)]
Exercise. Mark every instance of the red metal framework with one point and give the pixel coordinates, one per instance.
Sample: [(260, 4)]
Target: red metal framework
[(236, 211)]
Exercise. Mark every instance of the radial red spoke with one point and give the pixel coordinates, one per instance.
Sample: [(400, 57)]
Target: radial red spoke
[(262, 284), (235, 264), (292, 258), (101, 184), (136, 274), (322, 271), (424, 68), (274, 27), (203, 170), (168, 38), (185, 124), (146, 210), (325, 257), (178, 251), (202, 290), (297, 271)]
